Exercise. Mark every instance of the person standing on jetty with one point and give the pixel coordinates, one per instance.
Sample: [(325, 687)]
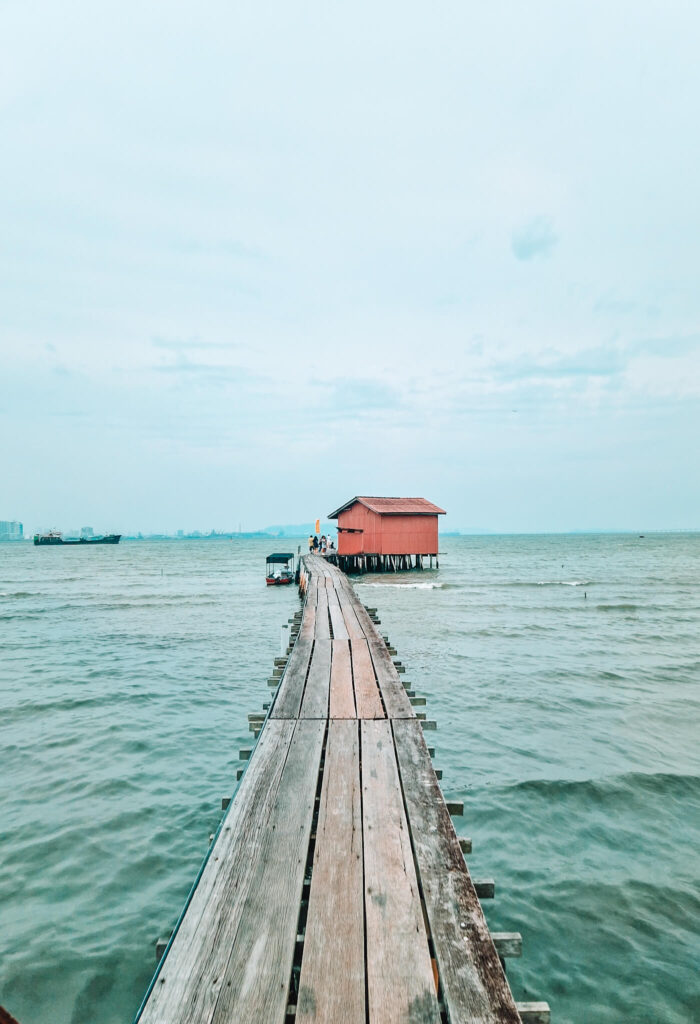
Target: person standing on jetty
[(311, 542), (323, 544), (315, 543)]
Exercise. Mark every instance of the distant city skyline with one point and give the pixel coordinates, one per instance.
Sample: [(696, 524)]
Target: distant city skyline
[(246, 274), (11, 529), (301, 531)]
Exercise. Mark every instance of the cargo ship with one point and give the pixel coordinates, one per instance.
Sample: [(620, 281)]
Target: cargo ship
[(54, 537)]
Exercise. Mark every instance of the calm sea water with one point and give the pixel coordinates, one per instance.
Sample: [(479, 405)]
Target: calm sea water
[(563, 672)]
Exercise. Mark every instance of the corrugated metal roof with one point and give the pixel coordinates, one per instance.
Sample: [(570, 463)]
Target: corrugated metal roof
[(393, 506)]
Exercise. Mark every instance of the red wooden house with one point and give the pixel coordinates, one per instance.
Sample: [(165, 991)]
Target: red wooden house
[(387, 531)]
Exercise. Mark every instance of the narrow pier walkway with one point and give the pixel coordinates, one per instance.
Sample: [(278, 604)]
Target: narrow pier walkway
[(336, 890)]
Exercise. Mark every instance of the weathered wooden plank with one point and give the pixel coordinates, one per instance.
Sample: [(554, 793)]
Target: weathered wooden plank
[(400, 981), (367, 699), (355, 630), (396, 700), (365, 621), (332, 982), (322, 629), (288, 698), (315, 702), (255, 984), (308, 621), (342, 698), (340, 631), (308, 624), (189, 981), (473, 983)]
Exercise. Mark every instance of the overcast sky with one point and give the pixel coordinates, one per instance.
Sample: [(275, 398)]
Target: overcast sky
[(256, 258)]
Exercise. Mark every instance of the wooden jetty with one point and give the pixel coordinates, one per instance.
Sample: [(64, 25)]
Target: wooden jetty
[(336, 888)]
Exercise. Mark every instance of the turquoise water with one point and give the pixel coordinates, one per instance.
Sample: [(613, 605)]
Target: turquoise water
[(562, 671)]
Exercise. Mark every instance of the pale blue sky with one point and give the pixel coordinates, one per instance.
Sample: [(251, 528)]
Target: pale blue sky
[(256, 258)]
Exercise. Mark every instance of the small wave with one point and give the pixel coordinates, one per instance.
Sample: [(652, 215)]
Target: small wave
[(405, 586), (17, 593), (77, 703), (565, 583), (615, 787), (616, 607)]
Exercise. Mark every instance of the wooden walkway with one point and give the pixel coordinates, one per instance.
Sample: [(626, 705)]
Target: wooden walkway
[(336, 890)]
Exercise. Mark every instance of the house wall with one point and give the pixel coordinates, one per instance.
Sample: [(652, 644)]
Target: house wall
[(409, 535), (386, 535), (359, 518)]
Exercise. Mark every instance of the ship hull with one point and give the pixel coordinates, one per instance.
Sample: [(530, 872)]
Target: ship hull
[(112, 538)]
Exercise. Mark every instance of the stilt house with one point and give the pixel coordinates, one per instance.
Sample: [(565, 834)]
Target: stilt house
[(388, 526)]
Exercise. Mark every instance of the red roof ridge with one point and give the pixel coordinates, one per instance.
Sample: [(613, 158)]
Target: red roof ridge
[(392, 506)]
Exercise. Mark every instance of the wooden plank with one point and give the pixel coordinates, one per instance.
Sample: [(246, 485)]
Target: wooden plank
[(342, 698), (288, 699), (366, 624), (315, 702), (332, 982), (396, 700), (473, 983), (255, 984), (308, 624), (355, 631), (400, 981), (367, 699), (322, 630), (187, 987), (308, 621), (340, 631)]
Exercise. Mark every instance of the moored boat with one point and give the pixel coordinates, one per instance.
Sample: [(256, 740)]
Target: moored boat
[(277, 577), (54, 537)]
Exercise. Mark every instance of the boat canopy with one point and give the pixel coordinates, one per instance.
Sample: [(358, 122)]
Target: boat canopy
[(279, 558)]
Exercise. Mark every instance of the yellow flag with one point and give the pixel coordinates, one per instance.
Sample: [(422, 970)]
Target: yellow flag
[(318, 526)]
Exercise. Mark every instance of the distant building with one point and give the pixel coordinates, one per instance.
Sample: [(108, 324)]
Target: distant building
[(11, 530), (387, 526), (86, 532)]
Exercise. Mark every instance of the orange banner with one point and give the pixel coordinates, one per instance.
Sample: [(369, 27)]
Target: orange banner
[(318, 526)]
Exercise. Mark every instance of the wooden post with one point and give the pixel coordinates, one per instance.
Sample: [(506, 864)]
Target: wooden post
[(533, 1013), (508, 943)]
